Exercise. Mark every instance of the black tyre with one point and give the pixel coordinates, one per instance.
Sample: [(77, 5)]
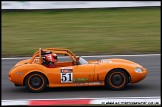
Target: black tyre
[(36, 82), (116, 79)]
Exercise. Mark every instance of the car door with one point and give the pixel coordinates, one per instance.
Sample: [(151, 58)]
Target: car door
[(83, 73)]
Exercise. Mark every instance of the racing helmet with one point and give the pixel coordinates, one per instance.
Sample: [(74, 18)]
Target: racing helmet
[(51, 57), (55, 56)]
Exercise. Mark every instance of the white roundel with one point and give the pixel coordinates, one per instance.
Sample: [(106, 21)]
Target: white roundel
[(66, 75)]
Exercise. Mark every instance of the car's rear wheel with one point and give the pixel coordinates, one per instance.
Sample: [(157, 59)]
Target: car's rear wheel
[(36, 82), (116, 79)]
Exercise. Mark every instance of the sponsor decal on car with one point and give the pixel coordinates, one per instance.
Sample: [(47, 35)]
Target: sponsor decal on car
[(66, 75), (80, 79), (90, 83)]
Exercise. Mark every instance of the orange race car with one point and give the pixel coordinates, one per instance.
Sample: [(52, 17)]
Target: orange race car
[(44, 69)]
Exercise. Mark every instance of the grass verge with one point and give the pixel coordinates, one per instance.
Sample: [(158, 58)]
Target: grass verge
[(84, 31)]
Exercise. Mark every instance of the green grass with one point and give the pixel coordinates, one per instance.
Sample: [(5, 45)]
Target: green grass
[(87, 31)]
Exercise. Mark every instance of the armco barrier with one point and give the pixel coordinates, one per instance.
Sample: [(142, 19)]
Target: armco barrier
[(74, 4), (87, 101)]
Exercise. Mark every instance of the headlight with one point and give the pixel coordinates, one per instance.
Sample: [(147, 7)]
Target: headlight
[(139, 70)]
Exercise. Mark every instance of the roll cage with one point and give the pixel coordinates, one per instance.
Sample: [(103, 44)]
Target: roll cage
[(54, 51)]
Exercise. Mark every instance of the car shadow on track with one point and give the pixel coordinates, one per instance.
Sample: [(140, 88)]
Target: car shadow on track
[(130, 87)]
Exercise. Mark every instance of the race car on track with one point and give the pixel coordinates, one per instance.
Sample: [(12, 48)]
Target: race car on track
[(36, 75)]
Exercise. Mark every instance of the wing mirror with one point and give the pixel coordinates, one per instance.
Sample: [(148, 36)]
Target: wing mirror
[(78, 63)]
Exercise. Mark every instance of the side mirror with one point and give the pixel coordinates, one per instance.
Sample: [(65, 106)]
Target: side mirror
[(78, 63)]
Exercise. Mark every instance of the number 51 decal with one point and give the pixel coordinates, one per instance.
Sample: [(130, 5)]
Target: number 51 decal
[(66, 75)]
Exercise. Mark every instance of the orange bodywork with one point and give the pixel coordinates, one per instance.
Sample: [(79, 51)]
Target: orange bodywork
[(70, 73)]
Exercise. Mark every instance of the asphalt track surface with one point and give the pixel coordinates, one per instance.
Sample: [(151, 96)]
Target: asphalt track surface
[(148, 87)]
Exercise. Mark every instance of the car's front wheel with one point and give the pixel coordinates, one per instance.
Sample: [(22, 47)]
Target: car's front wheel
[(36, 82), (116, 79)]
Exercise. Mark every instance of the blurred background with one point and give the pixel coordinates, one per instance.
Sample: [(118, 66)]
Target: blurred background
[(86, 28)]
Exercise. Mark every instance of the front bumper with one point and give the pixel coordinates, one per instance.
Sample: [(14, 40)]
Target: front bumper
[(136, 77)]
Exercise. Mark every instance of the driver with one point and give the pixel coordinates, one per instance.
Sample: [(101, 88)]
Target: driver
[(49, 59)]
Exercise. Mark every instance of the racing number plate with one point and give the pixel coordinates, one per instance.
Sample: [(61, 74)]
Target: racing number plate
[(66, 75)]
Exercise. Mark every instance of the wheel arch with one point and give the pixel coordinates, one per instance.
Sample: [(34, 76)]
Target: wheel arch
[(35, 72), (129, 77)]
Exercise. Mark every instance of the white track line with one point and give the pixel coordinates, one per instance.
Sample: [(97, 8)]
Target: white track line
[(93, 56), (14, 102)]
